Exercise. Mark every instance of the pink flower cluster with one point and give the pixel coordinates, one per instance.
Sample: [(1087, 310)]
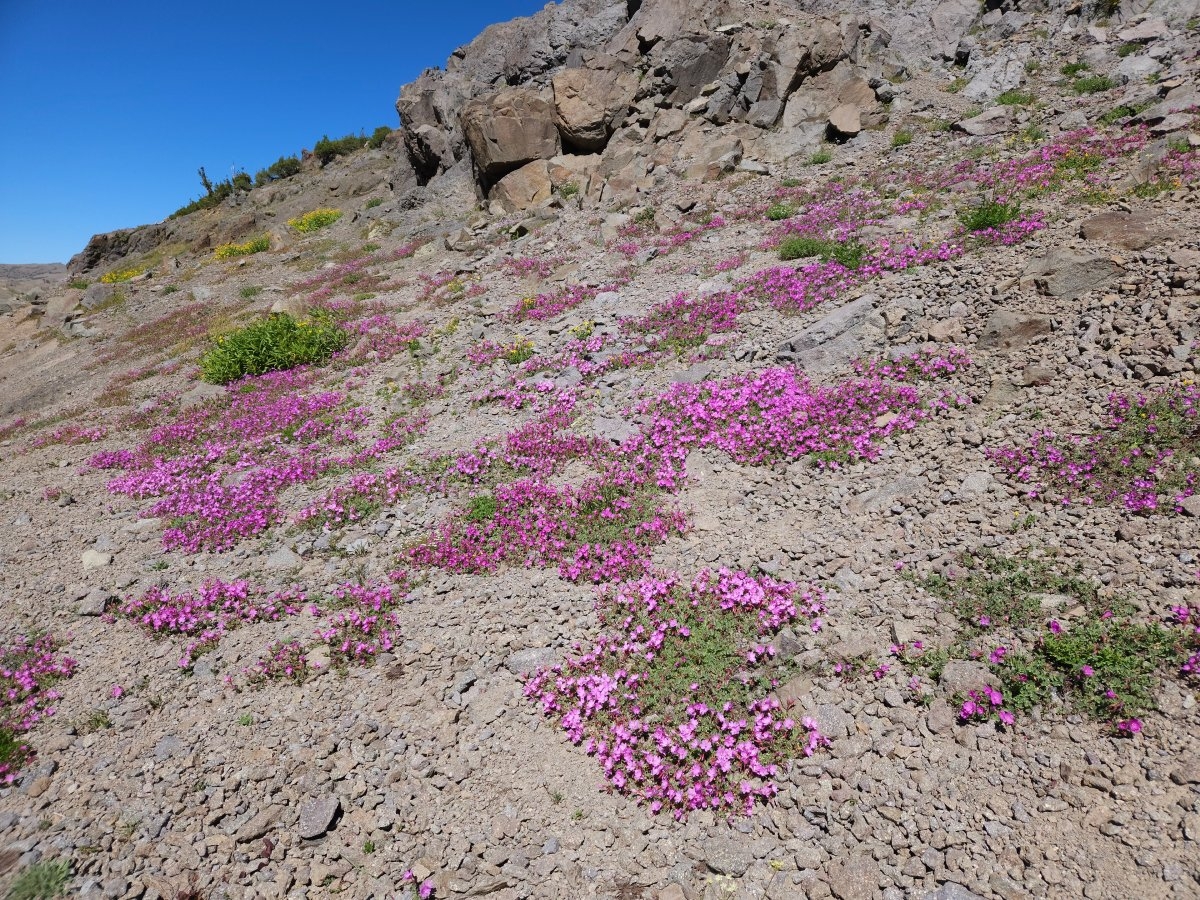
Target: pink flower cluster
[(525, 266), (365, 624), (218, 469), (209, 613), (686, 321), (28, 668), (982, 705), (648, 700), (68, 435), (549, 305), (282, 662), (1143, 459), (382, 336)]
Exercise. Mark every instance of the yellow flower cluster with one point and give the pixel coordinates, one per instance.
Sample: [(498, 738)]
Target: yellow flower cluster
[(116, 276), (254, 245), (317, 219)]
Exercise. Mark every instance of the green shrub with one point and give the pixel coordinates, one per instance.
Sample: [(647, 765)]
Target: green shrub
[(1015, 97), (250, 290), (42, 881), (778, 211), (326, 150), (270, 345), (1093, 84), (821, 156), (849, 254), (989, 214), (315, 220), (375, 141), (374, 202), (956, 85), (482, 509), (568, 190), (790, 182), (1074, 68), (255, 245), (902, 138), (519, 351), (1128, 49), (242, 182), (78, 284), (284, 167)]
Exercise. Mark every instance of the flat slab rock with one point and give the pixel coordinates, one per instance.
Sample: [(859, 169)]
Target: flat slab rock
[(316, 815)]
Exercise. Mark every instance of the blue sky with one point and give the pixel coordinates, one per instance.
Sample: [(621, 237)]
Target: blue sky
[(108, 109)]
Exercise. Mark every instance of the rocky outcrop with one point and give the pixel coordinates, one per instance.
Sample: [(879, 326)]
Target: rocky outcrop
[(587, 102), (508, 129)]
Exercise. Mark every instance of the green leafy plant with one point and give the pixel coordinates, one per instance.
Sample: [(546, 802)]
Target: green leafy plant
[(568, 190), (779, 211), (245, 720), (1015, 97), (1092, 84), (902, 138), (326, 150), (315, 220), (519, 351), (849, 253), (823, 155), (284, 167), (378, 136), (270, 345), (482, 508), (43, 880), (1128, 49), (260, 244), (790, 182), (374, 202), (250, 290), (78, 284), (956, 85), (989, 214), (1072, 69)]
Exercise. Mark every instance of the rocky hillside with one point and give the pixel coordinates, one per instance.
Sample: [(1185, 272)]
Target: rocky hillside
[(713, 449)]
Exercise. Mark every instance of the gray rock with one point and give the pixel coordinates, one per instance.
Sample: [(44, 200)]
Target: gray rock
[(93, 604), (845, 121), (201, 393), (1127, 230), (1191, 505), (845, 333), (1068, 274), (613, 428), (317, 815), (965, 675), (1005, 330), (725, 857), (525, 662), (996, 120), (258, 826), (94, 559), (97, 294), (283, 558), (952, 891), (854, 879), (940, 717)]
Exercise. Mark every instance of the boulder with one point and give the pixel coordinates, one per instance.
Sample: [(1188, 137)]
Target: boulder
[(1127, 230), (994, 77), (691, 62), (586, 103), (845, 121), (96, 295), (527, 187), (1148, 30), (317, 815), (1069, 274), (1007, 330), (950, 20), (509, 129), (846, 333), (996, 120)]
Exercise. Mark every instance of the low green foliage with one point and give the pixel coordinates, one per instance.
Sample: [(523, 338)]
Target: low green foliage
[(482, 509), (260, 244), (956, 85), (250, 290), (568, 190), (1092, 84), (850, 253), (327, 150), (1128, 49), (284, 167), (78, 284), (1003, 590), (902, 138), (43, 880), (315, 220), (823, 155), (989, 214), (790, 182), (1072, 69), (374, 202), (778, 211), (519, 351), (645, 216), (1016, 97), (270, 345), (378, 136)]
